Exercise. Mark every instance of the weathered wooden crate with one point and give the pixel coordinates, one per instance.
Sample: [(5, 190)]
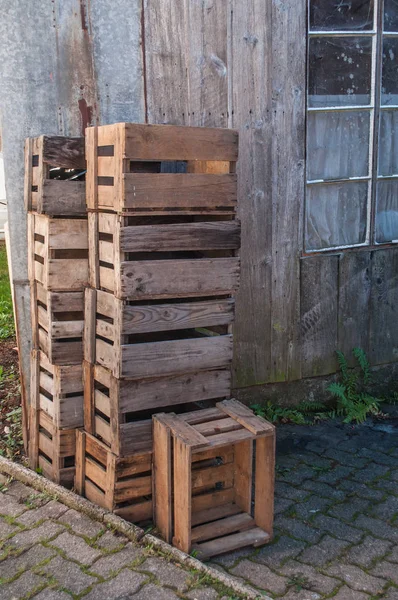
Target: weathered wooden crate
[(122, 485), (58, 252), (58, 324), (172, 259), (52, 449), (114, 407), (203, 479), (127, 166), (57, 391), (155, 340), (62, 156)]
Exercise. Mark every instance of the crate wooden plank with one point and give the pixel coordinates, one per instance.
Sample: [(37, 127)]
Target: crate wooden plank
[(222, 527), (182, 495), (243, 415), (265, 482), (213, 514), (63, 198), (251, 537), (162, 478)]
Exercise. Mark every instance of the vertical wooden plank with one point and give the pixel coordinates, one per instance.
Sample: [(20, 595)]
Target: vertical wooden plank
[(92, 167), (265, 483), (115, 415), (354, 302), (250, 73), (319, 315), (182, 495), (243, 460), (110, 481), (93, 260), (384, 307), (34, 410), (90, 307), (162, 469), (88, 383), (80, 462), (289, 29)]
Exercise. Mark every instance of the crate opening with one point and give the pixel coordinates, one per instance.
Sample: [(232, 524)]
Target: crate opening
[(46, 393)]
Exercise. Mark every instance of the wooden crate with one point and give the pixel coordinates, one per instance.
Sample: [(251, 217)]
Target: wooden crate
[(114, 407), (128, 164), (137, 261), (203, 476), (155, 340), (58, 252), (57, 391), (58, 324), (122, 485), (50, 196), (52, 449)]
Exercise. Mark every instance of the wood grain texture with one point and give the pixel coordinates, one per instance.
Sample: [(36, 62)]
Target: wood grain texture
[(65, 152), (64, 198), (384, 307), (264, 484), (162, 457), (319, 315)]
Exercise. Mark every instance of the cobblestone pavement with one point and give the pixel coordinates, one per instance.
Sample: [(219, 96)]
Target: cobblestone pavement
[(336, 525)]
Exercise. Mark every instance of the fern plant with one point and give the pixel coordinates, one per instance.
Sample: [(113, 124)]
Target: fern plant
[(353, 402)]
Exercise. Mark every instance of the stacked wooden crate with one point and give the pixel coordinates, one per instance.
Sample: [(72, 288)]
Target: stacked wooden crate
[(163, 270), (58, 272)]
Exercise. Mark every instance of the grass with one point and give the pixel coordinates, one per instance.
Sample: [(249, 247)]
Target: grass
[(6, 311)]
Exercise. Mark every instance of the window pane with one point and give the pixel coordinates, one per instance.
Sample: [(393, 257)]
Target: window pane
[(339, 71), (329, 15), (389, 91), (388, 143), (387, 211), (336, 215), (391, 15), (338, 144)]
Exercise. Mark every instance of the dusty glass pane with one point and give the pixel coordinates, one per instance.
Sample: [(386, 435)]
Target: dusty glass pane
[(338, 15), (389, 91), (391, 15), (336, 215), (388, 143), (338, 144), (339, 71), (387, 211)]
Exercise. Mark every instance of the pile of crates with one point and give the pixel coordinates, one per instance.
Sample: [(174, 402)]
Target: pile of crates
[(58, 272), (163, 270)]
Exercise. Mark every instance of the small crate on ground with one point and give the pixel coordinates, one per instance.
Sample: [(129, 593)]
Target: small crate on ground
[(54, 167), (58, 324), (122, 485), (51, 449), (58, 252), (114, 407), (203, 479), (160, 169)]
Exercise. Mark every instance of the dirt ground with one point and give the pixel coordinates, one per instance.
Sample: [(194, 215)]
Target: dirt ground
[(10, 401)]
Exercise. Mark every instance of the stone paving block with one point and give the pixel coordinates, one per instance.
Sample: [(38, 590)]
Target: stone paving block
[(275, 553), (301, 595), (393, 555), (112, 563), (68, 575), (298, 529), (335, 474), (19, 490), (43, 533), (25, 561), (111, 541), (345, 593), (230, 559), (50, 510), (327, 550), (386, 570), (314, 460), (377, 527), (282, 504), (360, 489), (297, 475), (6, 529), (22, 586), (202, 594), (314, 505), (288, 491), (338, 528), (370, 473), (122, 586), (10, 506), (316, 447), (81, 524), (349, 509), (152, 592), (323, 489), (357, 579), (386, 485), (313, 580), (50, 594), (346, 458), (166, 573), (261, 576), (386, 510), (391, 594), (76, 548), (378, 457), (364, 554)]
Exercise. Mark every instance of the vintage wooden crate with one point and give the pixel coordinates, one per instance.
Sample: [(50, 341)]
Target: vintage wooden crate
[(58, 252), (137, 261), (114, 407), (122, 485), (155, 340), (47, 159), (203, 479), (57, 391), (52, 449), (128, 164), (58, 324)]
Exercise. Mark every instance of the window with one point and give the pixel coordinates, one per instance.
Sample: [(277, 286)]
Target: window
[(352, 124)]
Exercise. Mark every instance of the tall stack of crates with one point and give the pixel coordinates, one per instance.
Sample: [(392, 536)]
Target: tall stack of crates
[(58, 271), (159, 309)]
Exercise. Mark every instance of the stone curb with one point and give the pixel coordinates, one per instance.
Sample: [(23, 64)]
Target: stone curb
[(131, 531)]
